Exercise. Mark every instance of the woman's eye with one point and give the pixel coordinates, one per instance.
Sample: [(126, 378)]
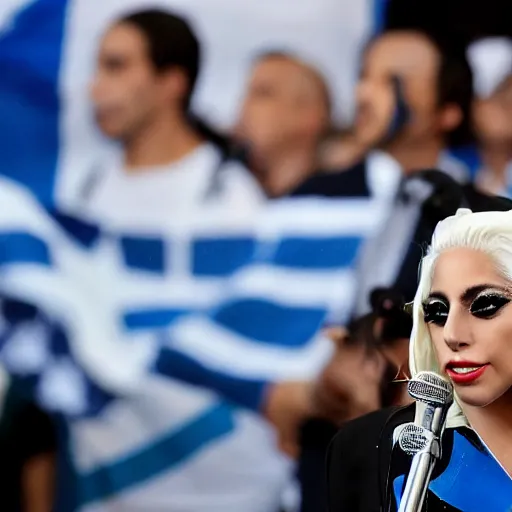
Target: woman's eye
[(436, 312), (486, 306)]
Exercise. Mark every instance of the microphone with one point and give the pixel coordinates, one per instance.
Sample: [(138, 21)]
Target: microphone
[(421, 439)]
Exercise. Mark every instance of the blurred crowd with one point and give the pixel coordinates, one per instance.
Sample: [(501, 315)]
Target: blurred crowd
[(432, 132)]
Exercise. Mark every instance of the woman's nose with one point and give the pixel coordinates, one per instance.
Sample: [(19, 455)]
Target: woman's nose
[(456, 332), (455, 344)]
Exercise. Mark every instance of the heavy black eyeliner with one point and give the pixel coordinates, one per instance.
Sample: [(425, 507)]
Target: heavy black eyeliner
[(495, 302), (437, 317)]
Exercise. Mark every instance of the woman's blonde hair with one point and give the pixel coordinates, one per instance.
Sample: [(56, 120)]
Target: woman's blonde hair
[(489, 232)]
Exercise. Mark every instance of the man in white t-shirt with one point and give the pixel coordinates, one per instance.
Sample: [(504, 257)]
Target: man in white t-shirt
[(171, 169), (147, 67)]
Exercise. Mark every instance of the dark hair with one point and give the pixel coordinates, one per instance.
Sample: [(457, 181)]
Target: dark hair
[(388, 304), (171, 43), (361, 331), (455, 85), (454, 81), (224, 144)]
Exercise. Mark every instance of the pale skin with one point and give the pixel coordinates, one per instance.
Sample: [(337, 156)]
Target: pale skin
[(469, 314)]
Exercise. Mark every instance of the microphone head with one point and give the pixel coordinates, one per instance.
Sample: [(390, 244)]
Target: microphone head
[(413, 438), (430, 388)]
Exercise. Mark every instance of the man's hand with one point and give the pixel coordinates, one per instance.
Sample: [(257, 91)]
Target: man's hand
[(288, 405), (350, 384), (348, 387)]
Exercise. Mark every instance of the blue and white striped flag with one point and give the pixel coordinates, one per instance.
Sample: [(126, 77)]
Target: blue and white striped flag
[(93, 321), (284, 272), (154, 349)]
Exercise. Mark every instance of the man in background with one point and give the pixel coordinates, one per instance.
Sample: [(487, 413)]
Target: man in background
[(285, 114), (147, 68), (413, 102), (171, 170)]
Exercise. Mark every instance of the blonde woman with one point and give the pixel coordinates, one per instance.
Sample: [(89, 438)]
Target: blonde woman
[(462, 330)]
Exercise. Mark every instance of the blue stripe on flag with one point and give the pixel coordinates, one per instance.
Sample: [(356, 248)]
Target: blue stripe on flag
[(30, 53), (23, 248), (245, 392), (317, 253), (96, 398), (16, 312), (151, 318), (146, 253), (85, 233), (88, 398), (221, 256), (162, 455), (268, 322)]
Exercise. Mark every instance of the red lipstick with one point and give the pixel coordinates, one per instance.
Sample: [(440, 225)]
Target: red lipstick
[(472, 371)]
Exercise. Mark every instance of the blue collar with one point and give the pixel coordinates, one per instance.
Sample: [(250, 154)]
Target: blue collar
[(472, 482)]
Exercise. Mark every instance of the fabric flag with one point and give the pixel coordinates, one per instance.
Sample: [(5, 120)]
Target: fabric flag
[(94, 322), (289, 269), (154, 348), (48, 48)]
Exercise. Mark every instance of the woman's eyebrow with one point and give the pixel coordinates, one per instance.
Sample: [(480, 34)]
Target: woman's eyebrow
[(437, 295), (470, 293)]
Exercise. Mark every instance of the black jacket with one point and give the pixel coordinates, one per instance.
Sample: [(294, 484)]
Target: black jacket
[(363, 466)]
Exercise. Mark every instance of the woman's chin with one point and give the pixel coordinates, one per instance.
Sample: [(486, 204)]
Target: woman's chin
[(477, 396)]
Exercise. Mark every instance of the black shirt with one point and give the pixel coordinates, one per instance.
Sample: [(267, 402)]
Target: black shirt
[(362, 464)]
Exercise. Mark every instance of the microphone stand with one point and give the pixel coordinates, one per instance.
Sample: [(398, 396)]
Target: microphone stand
[(419, 476), (434, 396)]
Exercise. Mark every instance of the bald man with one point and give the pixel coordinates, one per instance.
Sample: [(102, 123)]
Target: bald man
[(284, 116)]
